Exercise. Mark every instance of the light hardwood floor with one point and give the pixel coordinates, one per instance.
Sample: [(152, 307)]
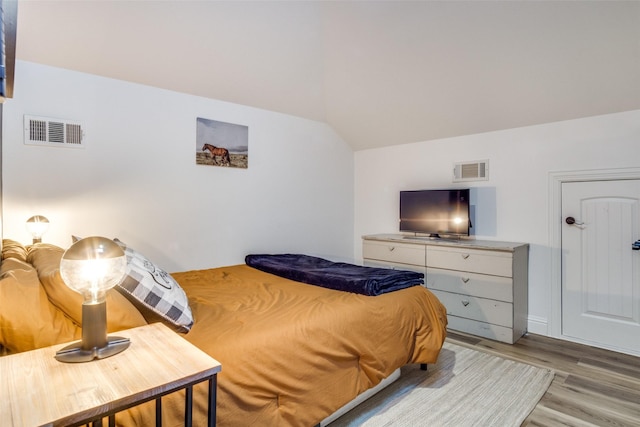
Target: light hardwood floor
[(592, 387)]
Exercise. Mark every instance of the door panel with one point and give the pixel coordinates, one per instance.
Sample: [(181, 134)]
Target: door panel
[(601, 282)]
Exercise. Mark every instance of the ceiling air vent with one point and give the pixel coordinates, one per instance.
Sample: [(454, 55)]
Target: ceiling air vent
[(53, 132), (471, 171)]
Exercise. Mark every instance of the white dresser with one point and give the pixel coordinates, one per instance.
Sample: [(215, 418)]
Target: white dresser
[(482, 283)]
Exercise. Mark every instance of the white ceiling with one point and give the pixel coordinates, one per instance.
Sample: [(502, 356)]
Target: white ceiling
[(379, 72)]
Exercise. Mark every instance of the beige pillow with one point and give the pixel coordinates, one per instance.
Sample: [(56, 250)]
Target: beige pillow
[(27, 319), (121, 314), (13, 249), (10, 264)]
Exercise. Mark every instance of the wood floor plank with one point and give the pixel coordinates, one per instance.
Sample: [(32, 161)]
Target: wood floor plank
[(588, 408), (622, 395), (546, 417), (624, 369)]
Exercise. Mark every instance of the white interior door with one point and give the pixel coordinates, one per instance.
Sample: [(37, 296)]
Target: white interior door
[(601, 281)]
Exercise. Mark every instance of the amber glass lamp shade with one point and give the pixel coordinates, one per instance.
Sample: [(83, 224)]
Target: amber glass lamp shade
[(92, 266)]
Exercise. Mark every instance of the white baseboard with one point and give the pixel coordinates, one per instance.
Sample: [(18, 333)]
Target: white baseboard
[(538, 325)]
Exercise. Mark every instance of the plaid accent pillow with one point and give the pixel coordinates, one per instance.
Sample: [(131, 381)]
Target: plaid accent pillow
[(154, 292)]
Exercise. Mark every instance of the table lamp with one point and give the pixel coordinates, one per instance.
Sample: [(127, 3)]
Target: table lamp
[(37, 225), (92, 266)]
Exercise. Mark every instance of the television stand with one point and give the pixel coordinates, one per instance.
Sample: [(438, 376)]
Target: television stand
[(421, 237), (436, 237)]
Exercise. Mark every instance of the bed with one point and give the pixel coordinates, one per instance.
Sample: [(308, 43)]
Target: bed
[(292, 353)]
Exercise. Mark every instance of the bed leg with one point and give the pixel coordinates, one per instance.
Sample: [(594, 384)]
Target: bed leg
[(423, 366)]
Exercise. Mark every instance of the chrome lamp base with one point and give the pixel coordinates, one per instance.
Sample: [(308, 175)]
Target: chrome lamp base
[(75, 353)]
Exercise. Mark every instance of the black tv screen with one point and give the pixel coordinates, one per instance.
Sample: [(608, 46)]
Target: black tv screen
[(435, 212)]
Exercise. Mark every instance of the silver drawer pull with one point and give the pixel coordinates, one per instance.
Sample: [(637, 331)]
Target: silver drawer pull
[(465, 302), (464, 256), (392, 248), (465, 279)]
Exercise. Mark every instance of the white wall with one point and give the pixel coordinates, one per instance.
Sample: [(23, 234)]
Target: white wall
[(137, 178), (514, 204)]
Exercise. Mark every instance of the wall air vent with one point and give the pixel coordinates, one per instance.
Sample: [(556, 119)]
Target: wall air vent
[(471, 171), (53, 132)]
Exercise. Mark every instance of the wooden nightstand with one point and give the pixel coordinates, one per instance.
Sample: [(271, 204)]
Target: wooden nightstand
[(38, 390)]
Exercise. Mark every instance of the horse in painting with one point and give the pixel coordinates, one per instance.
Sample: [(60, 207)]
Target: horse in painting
[(221, 152)]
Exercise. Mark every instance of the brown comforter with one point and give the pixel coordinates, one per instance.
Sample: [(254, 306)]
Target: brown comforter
[(292, 354)]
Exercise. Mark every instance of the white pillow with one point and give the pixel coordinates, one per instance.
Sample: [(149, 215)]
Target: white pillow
[(154, 292)]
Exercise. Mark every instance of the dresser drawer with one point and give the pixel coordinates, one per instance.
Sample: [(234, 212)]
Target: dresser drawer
[(385, 264), (482, 329), (474, 284), (475, 261), (394, 252), (480, 309)]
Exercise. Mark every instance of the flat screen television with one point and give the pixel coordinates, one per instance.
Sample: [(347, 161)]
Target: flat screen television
[(435, 212)]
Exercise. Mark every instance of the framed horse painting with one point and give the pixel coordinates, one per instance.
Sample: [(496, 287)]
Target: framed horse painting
[(221, 144)]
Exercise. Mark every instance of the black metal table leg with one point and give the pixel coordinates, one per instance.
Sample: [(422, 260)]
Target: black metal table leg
[(211, 412), (159, 412), (188, 406)]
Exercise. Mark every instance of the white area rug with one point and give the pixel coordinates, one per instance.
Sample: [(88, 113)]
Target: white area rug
[(464, 388)]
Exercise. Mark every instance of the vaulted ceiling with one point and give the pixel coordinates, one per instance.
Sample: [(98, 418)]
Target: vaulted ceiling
[(379, 72)]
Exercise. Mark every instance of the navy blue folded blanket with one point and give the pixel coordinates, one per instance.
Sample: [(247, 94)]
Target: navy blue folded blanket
[(335, 275)]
